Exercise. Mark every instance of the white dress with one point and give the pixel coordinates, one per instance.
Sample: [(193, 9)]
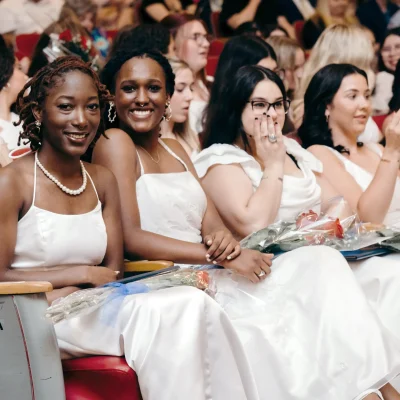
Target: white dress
[(379, 277), (307, 331), (179, 341)]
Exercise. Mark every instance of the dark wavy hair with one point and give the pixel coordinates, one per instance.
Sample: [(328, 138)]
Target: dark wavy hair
[(226, 126), (381, 65), (320, 93), (40, 85), (110, 71), (7, 62), (238, 52)]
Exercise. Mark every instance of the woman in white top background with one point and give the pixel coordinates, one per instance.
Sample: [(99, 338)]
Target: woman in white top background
[(12, 80), (176, 125)]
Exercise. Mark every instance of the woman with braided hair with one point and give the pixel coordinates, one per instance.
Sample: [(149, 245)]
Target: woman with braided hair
[(60, 222)]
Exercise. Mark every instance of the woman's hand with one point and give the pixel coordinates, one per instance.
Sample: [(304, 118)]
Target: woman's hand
[(222, 246), (269, 142), (251, 264), (98, 276), (392, 135), (174, 5)]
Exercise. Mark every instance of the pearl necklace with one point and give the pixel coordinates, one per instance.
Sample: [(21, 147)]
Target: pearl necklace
[(59, 184)]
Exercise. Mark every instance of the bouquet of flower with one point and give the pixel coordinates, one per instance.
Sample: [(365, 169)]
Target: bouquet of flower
[(111, 295), (311, 229)]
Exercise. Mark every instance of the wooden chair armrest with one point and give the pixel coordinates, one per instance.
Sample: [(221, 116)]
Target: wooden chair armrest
[(25, 287), (146, 266)]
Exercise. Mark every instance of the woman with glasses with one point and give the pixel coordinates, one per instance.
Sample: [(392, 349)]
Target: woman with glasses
[(192, 43), (255, 176)]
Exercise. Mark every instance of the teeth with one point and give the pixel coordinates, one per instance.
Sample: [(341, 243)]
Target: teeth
[(141, 112), (76, 136)]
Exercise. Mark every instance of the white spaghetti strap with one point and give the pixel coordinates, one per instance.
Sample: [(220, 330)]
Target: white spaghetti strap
[(173, 154), (34, 180), (141, 165), (94, 187), (363, 395)]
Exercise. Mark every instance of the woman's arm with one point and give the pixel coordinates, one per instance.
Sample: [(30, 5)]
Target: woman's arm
[(371, 205), (157, 11), (11, 204), (247, 14)]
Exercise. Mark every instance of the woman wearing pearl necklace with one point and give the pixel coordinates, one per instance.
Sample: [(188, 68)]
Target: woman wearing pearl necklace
[(60, 220)]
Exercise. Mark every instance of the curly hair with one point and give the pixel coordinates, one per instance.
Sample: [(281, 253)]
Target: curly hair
[(124, 54), (7, 62), (38, 89), (319, 94)]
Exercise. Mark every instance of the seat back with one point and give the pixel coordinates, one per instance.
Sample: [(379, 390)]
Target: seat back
[(298, 28), (26, 43)]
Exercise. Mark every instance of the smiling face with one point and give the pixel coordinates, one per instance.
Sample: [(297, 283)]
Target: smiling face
[(265, 92), (140, 95), (391, 52), (192, 45), (351, 107), (183, 95), (70, 115)]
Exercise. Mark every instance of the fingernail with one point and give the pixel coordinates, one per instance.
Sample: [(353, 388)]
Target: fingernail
[(215, 263), (229, 258), (209, 242), (256, 119), (116, 272), (207, 256), (265, 114), (268, 116), (276, 123)]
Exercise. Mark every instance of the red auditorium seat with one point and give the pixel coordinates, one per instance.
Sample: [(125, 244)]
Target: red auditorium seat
[(298, 28), (379, 120), (100, 378), (26, 44), (216, 47), (211, 66)]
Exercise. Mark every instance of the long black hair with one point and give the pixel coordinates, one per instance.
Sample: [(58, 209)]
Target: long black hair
[(238, 52), (320, 93), (394, 103), (381, 65), (226, 126)]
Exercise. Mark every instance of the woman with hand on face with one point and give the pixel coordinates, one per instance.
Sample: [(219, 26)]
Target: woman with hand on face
[(256, 176), (60, 222), (176, 125), (192, 44)]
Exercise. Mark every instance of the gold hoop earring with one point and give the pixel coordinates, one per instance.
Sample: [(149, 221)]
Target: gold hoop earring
[(168, 112)]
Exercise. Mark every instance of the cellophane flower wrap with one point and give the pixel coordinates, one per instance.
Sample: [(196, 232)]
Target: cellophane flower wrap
[(311, 229), (109, 297)]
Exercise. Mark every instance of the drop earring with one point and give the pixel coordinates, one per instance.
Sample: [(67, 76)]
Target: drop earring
[(111, 117)]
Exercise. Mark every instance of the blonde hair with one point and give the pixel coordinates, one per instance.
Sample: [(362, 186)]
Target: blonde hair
[(338, 44), (322, 11), (183, 130), (285, 49)]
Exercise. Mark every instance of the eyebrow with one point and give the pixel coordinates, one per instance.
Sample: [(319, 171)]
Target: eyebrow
[(151, 80), (72, 97), (262, 99)]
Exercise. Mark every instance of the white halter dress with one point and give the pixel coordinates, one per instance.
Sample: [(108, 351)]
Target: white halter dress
[(307, 331), (179, 341)]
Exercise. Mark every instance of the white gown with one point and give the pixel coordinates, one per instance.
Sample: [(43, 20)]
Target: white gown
[(307, 330), (379, 277), (179, 341)]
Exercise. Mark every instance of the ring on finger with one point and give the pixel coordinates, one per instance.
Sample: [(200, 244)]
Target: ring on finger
[(261, 274), (272, 138)]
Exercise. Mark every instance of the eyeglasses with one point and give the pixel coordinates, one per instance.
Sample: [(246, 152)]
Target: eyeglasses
[(200, 38), (280, 72), (261, 107)]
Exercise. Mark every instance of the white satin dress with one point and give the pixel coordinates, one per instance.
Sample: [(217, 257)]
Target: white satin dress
[(379, 276), (307, 331), (179, 341)]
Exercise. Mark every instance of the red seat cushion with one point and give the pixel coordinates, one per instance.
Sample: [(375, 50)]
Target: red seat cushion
[(212, 63), (216, 47), (26, 44), (100, 378), (379, 120)]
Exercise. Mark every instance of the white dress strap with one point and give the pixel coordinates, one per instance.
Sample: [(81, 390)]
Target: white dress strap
[(140, 163), (173, 154), (34, 181), (94, 187)]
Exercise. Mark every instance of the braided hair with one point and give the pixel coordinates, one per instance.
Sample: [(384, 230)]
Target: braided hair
[(38, 88), (124, 54)]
